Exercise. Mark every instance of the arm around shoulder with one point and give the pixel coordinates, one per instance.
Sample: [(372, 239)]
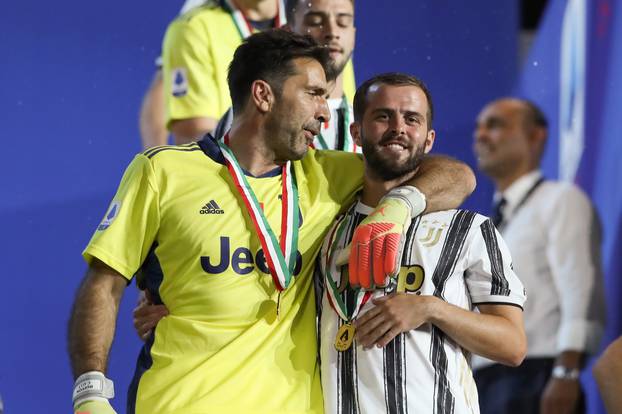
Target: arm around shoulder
[(445, 181)]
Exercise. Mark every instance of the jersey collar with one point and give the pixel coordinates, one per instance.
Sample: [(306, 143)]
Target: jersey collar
[(210, 148)]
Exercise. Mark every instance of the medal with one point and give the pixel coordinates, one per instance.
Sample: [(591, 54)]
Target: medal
[(345, 337), (335, 242)]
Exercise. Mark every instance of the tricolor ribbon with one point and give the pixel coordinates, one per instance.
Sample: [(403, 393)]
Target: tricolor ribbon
[(332, 273), (244, 26), (280, 256)]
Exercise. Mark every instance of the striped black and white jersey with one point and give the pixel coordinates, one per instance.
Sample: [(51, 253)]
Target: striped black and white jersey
[(456, 255)]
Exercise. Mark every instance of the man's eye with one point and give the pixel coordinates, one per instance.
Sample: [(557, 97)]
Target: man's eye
[(314, 21), (344, 21)]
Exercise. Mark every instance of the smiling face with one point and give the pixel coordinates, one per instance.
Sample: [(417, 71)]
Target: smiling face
[(506, 144), (297, 114), (330, 23), (394, 130)]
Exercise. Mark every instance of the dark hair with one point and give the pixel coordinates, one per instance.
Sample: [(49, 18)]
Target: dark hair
[(393, 79), (534, 115), (290, 9), (268, 56)]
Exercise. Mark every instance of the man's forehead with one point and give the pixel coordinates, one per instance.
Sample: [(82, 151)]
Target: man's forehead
[(311, 70), (381, 92), (325, 6), (503, 109)]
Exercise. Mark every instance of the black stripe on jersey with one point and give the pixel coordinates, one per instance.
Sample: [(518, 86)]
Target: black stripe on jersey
[(150, 150), (456, 236), (347, 383), (444, 401), (499, 284), (193, 147), (347, 397), (498, 303), (394, 354), (407, 259), (395, 376)]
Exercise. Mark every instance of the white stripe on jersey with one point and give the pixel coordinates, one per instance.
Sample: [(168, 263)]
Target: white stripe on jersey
[(464, 261)]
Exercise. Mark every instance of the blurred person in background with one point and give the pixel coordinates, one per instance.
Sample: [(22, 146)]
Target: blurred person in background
[(190, 94), (553, 234)]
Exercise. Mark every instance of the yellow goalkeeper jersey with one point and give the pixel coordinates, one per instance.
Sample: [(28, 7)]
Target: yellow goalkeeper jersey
[(179, 223)]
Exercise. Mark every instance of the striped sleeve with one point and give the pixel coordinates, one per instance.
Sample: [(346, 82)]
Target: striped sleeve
[(489, 276)]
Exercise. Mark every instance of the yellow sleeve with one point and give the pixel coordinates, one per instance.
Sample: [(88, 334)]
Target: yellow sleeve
[(191, 85), (342, 174), (123, 239)]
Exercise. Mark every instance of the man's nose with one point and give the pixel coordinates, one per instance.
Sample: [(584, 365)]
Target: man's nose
[(322, 112), (397, 124), (479, 134), (331, 29)]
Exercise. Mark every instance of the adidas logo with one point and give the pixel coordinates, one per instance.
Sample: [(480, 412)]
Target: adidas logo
[(211, 208)]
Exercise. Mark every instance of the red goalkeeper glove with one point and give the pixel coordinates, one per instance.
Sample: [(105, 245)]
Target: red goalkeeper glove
[(378, 242)]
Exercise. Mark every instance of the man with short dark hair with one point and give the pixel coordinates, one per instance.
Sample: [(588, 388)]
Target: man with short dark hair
[(552, 232), (201, 223), (403, 346)]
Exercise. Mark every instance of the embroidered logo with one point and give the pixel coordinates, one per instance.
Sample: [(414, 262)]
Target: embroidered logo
[(111, 214), (179, 86), (211, 208), (435, 230)]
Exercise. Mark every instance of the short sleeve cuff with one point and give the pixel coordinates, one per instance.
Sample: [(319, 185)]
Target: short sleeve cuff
[(512, 299), (93, 252)]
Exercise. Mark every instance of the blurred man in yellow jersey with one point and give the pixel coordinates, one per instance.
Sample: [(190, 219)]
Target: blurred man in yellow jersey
[(197, 50)]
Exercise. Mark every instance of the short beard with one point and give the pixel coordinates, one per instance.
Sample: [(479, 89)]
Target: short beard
[(385, 169), (335, 69)]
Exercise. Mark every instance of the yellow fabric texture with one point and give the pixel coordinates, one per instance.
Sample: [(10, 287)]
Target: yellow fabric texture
[(222, 348)]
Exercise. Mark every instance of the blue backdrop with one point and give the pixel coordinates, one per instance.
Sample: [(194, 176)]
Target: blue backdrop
[(575, 75), (72, 77)]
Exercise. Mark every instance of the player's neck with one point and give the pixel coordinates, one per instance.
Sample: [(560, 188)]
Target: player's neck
[(374, 188), (248, 145), (504, 181), (337, 92), (258, 9)]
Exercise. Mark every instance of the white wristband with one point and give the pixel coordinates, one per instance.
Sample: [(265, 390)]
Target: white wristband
[(92, 385), (412, 196)]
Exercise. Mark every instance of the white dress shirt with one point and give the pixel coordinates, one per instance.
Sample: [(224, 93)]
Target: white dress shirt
[(554, 239)]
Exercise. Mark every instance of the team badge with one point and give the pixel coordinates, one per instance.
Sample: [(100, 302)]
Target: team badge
[(345, 336), (179, 82), (111, 214)]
